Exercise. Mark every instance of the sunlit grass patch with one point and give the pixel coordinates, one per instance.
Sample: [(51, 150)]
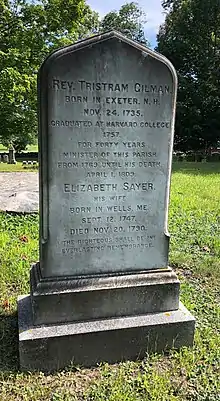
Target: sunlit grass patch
[(30, 148), (18, 250), (10, 168), (194, 221)]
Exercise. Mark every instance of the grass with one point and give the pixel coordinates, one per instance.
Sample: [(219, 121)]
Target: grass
[(190, 374), (10, 168), (30, 148)]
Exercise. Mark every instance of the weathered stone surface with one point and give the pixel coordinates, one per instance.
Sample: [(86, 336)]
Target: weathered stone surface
[(106, 147), (57, 301), (49, 348), (20, 192)]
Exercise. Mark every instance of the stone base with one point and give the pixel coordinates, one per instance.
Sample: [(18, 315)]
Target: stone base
[(63, 300), (49, 348)]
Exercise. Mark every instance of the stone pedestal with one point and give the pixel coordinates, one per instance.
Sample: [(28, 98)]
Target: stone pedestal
[(90, 320), (99, 297), (86, 343)]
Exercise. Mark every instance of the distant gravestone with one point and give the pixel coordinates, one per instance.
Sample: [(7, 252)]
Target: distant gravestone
[(5, 158), (103, 290), (11, 156)]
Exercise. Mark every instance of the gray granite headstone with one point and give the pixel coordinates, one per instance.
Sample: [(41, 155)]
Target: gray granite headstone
[(107, 109), (107, 164)]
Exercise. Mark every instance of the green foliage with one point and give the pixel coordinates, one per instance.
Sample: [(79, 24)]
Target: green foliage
[(128, 20), (30, 148), (28, 32), (132, 382), (190, 38)]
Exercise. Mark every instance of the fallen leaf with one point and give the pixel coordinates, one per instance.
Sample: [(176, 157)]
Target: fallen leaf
[(206, 249), (6, 304), (24, 238)]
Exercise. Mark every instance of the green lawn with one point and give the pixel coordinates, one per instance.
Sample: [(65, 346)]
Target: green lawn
[(10, 168), (190, 374), (30, 148)]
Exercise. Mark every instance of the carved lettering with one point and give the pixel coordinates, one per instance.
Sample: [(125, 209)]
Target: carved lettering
[(109, 165), (143, 186), (103, 86), (159, 89), (72, 188)]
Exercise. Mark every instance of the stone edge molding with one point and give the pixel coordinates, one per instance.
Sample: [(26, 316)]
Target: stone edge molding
[(88, 298)]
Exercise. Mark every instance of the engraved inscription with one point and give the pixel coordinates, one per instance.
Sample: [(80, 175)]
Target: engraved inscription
[(109, 134), (85, 86), (105, 153)]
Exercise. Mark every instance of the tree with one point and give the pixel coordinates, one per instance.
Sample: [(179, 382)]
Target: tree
[(190, 38), (28, 32), (129, 20)]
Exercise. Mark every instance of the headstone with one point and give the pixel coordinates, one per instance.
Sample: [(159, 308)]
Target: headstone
[(5, 158), (103, 290), (11, 156)]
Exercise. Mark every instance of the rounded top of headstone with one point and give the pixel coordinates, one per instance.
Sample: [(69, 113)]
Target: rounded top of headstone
[(96, 39), (107, 109)]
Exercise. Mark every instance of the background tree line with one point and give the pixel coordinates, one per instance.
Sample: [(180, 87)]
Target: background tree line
[(190, 38), (29, 31)]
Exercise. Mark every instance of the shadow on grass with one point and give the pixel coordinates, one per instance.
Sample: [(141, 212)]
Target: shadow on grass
[(9, 360), (196, 168)]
